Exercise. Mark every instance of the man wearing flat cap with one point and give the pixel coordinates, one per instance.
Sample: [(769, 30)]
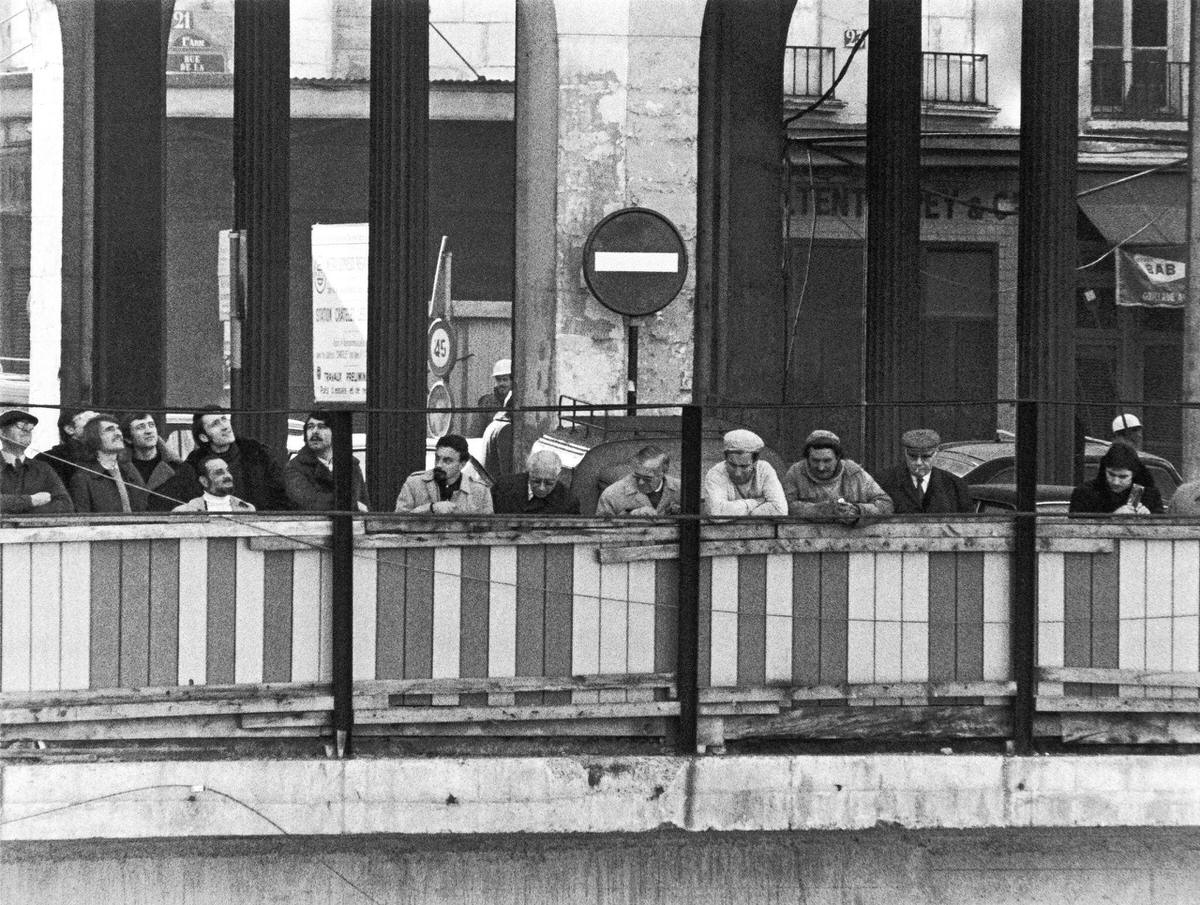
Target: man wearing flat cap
[(917, 485), (743, 484), (27, 485), (825, 486)]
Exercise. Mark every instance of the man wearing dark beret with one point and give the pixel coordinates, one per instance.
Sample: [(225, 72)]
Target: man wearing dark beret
[(27, 486), (917, 485)]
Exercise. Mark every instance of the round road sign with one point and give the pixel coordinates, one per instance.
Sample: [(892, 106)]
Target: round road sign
[(634, 261), (442, 347), (438, 402)]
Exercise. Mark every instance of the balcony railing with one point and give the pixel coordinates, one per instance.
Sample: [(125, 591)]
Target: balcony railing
[(955, 78), (808, 71), (1139, 89)]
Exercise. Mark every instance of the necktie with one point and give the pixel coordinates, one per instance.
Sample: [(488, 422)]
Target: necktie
[(115, 473)]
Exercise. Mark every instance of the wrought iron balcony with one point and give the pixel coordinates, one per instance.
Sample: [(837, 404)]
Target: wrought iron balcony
[(1139, 89), (955, 78), (807, 71)]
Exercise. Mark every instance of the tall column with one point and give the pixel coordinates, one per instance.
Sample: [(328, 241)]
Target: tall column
[(1191, 314), (1046, 246), (535, 299), (893, 306), (741, 309), (261, 122), (397, 276), (129, 241)]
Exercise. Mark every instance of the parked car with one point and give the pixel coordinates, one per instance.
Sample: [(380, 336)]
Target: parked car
[(1001, 499), (994, 462)]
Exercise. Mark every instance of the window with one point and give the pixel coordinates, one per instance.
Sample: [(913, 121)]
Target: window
[(1131, 74)]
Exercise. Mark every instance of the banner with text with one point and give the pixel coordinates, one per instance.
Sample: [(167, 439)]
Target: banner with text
[(1152, 276), (339, 270)]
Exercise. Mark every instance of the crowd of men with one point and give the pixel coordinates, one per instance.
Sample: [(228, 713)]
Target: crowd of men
[(106, 464)]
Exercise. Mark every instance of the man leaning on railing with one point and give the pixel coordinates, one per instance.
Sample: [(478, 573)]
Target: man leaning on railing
[(825, 486), (646, 491), (27, 486), (447, 488), (743, 484)]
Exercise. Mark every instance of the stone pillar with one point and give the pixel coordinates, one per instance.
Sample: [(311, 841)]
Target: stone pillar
[(534, 296), (892, 367), (1046, 245), (397, 280), (261, 122), (128, 243), (741, 308)]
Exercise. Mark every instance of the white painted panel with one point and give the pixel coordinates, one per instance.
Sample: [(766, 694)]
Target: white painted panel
[(915, 593), (1131, 645), (725, 584), (889, 586), (1160, 567), (614, 624), (779, 584), (997, 593), (1185, 580), (861, 586), (502, 612), (860, 651), (248, 618), (724, 649), (1158, 643), (447, 611), (585, 619), (306, 615), (1185, 643), (640, 653), (997, 662), (193, 611), (778, 653), (15, 620), (779, 649), (45, 633), (1132, 580), (366, 576), (75, 668), (915, 651), (888, 658), (1050, 587)]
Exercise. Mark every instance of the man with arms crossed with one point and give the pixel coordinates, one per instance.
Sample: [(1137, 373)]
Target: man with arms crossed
[(445, 489), (27, 486), (743, 484)]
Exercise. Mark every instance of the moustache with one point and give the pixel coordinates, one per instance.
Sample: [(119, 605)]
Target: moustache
[(439, 475)]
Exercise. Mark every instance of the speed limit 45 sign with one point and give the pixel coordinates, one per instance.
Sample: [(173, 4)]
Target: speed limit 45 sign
[(442, 348)]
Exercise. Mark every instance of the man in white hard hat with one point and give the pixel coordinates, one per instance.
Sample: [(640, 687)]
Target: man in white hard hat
[(743, 484), (1128, 428), (499, 399)]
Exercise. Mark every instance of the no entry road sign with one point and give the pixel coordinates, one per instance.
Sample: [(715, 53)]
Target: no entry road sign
[(634, 261)]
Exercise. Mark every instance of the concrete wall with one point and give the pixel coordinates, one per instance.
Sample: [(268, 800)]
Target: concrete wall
[(880, 867)]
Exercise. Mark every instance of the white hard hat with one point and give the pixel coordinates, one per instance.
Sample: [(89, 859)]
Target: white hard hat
[(1125, 422), (502, 368)]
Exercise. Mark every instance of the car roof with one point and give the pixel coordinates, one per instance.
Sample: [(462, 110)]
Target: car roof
[(963, 456)]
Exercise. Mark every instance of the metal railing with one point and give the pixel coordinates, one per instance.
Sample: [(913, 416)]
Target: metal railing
[(1139, 89), (808, 70), (955, 78)]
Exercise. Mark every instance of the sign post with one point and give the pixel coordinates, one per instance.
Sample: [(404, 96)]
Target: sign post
[(634, 263)]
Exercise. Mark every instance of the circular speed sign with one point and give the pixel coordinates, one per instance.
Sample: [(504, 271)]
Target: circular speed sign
[(438, 401), (442, 347), (634, 261)]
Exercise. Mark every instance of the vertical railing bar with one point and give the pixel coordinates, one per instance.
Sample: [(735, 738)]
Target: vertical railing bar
[(343, 583), (687, 657), (1023, 607)]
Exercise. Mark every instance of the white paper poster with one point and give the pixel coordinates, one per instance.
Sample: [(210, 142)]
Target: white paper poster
[(339, 263)]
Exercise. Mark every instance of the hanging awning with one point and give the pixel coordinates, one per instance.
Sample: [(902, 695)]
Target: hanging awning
[(1149, 210)]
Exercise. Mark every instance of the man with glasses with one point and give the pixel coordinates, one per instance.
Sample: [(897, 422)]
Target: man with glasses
[(917, 485), (647, 491), (535, 491), (27, 486)]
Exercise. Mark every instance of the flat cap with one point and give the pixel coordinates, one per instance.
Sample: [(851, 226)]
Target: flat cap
[(920, 438), (743, 441), (821, 437), (1125, 422), (502, 368), (12, 416)]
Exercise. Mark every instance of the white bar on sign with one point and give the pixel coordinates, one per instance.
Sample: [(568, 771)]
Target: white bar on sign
[(637, 261)]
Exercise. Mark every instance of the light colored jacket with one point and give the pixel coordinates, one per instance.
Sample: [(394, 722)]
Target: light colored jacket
[(762, 496), (420, 492), (813, 499), (622, 497)]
